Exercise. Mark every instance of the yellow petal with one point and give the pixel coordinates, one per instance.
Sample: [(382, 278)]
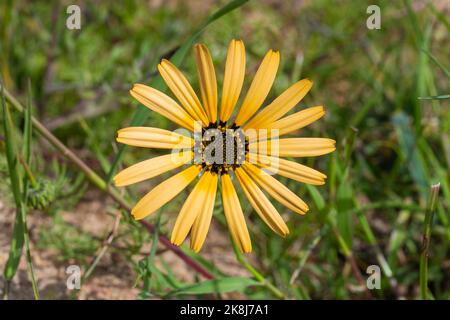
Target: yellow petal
[(297, 120), (153, 138), (208, 82), (294, 147), (190, 210), (288, 169), (281, 105), (159, 102), (201, 224), (151, 168), (234, 216), (164, 192), (287, 124), (261, 204), (260, 87), (233, 79), (276, 189), (181, 88)]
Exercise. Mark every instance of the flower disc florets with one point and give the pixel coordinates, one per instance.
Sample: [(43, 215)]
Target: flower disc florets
[(220, 148)]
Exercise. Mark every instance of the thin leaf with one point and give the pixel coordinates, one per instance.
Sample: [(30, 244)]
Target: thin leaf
[(437, 62), (440, 97), (432, 204), (150, 260), (27, 130), (28, 178), (317, 198), (345, 202), (410, 151), (17, 241), (221, 285)]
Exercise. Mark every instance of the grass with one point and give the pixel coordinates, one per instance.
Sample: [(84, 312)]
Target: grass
[(386, 97), (426, 241)]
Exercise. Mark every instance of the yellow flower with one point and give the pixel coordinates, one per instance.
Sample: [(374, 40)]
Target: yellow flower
[(250, 145)]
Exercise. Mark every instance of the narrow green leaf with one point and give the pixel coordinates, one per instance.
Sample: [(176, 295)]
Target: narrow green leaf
[(221, 285), (27, 130), (432, 204), (441, 15), (317, 198), (344, 204), (15, 250), (410, 151), (150, 260), (17, 240), (166, 279), (437, 62), (11, 152), (421, 77), (440, 97), (28, 178)]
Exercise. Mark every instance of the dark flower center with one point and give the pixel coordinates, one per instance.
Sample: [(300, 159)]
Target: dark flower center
[(220, 148)]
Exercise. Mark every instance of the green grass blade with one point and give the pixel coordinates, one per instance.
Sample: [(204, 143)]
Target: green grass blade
[(150, 260), (316, 196), (221, 285), (27, 130), (422, 72), (426, 241), (11, 152), (17, 240), (413, 19), (141, 114), (440, 97), (30, 267), (345, 202), (410, 151), (437, 62), (258, 276), (20, 232)]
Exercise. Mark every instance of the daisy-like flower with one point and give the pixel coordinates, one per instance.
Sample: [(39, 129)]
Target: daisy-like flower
[(245, 147)]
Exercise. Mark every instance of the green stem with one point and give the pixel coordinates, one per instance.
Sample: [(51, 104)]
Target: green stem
[(28, 255), (258, 276), (426, 241), (20, 233), (28, 172), (17, 241), (94, 263), (151, 256), (25, 160), (6, 285)]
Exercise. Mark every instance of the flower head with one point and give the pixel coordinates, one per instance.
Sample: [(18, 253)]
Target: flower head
[(246, 147)]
